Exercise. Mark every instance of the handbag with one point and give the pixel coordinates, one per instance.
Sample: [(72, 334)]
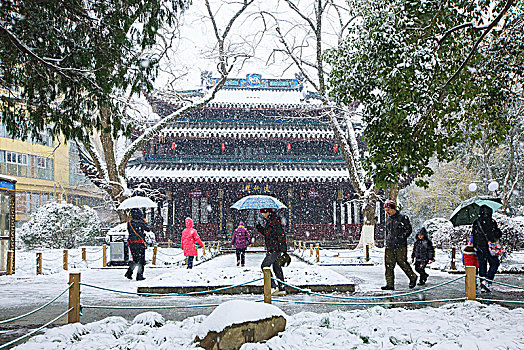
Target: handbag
[(495, 248)]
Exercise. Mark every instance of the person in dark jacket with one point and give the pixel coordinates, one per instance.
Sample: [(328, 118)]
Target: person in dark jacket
[(276, 245), (423, 253), (240, 241), (486, 229), (398, 229), (136, 227)]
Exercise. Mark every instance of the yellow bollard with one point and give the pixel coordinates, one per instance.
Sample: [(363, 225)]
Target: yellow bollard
[(310, 249), (204, 248), (318, 252), (10, 258), (169, 243), (267, 285), (74, 298), (84, 254), (104, 257), (66, 259), (38, 263), (154, 255), (470, 283), (299, 246)]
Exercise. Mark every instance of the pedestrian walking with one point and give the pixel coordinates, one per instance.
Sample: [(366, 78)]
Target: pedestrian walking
[(486, 229), (398, 229), (240, 241), (189, 239), (276, 246), (136, 228), (423, 253)]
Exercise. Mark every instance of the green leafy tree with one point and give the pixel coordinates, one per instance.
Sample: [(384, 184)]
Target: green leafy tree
[(424, 72), (66, 64)]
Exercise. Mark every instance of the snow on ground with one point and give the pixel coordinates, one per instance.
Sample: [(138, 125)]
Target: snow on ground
[(215, 274), (468, 325), (329, 257)]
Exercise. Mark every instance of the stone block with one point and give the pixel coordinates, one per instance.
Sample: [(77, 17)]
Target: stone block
[(234, 336)]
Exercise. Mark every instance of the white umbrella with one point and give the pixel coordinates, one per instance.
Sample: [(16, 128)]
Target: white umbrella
[(137, 202)]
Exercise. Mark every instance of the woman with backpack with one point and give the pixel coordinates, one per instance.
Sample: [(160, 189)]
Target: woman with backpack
[(240, 241)]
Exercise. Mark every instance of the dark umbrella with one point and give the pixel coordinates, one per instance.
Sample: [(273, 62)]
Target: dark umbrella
[(468, 211)]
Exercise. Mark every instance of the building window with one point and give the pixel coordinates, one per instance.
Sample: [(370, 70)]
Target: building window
[(26, 165)]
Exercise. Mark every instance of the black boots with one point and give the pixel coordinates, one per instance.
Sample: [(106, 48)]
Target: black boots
[(413, 283), (387, 288)]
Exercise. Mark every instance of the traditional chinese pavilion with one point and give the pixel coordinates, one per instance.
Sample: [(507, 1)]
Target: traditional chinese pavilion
[(259, 136)]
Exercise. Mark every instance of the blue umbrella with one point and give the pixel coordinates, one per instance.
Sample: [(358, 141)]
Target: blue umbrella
[(468, 211), (258, 202)]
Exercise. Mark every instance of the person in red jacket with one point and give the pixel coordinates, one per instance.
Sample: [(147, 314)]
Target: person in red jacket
[(189, 237)]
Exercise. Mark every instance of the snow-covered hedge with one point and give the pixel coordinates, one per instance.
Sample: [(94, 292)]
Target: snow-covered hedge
[(443, 234), (60, 225)]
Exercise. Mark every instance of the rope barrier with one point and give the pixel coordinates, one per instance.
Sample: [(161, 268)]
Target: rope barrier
[(368, 298), (33, 332), (502, 284), (171, 294), (145, 307), (502, 301), (160, 252), (371, 304), (59, 258), (38, 309)]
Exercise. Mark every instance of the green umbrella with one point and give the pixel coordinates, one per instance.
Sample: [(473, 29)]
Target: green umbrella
[(468, 211)]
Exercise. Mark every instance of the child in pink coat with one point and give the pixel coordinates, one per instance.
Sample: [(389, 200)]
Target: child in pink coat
[(189, 237)]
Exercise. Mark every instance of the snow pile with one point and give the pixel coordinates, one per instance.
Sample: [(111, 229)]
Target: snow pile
[(236, 312), (468, 325)]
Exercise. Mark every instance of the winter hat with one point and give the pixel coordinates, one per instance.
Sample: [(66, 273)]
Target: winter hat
[(390, 204)]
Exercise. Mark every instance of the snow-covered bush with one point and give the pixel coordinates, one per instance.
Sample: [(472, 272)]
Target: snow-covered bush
[(512, 231), (60, 225), (443, 234)]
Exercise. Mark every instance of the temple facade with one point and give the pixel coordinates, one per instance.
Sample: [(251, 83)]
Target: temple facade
[(259, 136)]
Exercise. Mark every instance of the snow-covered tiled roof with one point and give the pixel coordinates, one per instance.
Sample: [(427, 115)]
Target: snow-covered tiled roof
[(237, 173), (246, 99), (324, 133)]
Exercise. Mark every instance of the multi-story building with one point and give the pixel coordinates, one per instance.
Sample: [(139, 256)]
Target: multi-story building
[(46, 170), (259, 136)]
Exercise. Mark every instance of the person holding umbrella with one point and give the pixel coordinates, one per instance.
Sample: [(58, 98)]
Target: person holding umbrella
[(486, 229), (136, 228), (477, 211), (276, 246)]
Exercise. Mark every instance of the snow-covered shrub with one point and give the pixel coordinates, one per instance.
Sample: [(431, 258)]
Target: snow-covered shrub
[(443, 234), (512, 231), (60, 225)]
